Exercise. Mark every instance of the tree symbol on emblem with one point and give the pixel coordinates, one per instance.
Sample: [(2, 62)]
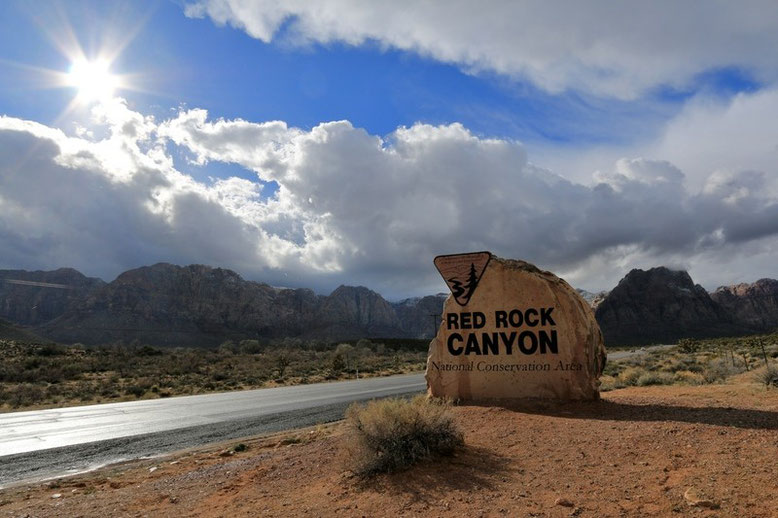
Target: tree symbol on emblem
[(466, 291), (472, 282)]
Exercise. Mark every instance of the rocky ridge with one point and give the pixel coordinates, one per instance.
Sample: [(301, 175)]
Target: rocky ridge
[(32, 298), (661, 306), (754, 305), (173, 305)]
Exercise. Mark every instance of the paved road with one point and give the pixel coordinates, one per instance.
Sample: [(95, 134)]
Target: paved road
[(49, 443)]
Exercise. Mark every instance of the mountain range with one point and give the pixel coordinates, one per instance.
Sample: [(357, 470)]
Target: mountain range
[(165, 304), (196, 305)]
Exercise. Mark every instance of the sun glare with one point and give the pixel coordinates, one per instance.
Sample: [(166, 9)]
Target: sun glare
[(92, 79)]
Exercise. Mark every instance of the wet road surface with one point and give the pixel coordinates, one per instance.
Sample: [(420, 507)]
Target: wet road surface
[(48, 443)]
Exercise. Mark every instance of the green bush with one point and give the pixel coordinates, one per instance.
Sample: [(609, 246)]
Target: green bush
[(392, 434), (135, 390)]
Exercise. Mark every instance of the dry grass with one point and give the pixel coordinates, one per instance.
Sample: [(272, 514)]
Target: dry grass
[(696, 362), (35, 375), (767, 375), (392, 434)]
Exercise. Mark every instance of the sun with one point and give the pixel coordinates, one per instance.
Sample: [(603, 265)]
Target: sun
[(93, 80)]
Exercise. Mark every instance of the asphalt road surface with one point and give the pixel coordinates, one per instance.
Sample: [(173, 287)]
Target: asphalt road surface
[(43, 444)]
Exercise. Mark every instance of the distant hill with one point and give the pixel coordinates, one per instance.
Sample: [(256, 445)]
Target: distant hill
[(165, 304), (9, 331), (593, 299), (32, 298), (754, 305), (198, 305), (420, 316), (661, 306)]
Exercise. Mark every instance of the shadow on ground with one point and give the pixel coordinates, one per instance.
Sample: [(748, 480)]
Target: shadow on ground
[(605, 410), (469, 468)]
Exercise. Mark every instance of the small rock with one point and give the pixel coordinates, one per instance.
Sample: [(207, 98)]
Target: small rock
[(695, 499), (153, 469), (56, 495), (227, 453), (564, 502)]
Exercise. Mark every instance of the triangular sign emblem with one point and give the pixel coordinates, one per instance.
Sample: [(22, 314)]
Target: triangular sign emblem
[(462, 272)]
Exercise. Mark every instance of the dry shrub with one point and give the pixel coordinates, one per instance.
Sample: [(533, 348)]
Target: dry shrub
[(768, 375), (392, 434), (631, 375), (609, 383), (654, 378), (689, 378), (718, 370)]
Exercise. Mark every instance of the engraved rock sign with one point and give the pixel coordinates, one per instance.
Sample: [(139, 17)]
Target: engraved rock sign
[(523, 333)]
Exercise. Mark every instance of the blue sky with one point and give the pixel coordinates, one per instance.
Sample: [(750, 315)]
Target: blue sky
[(585, 111), (193, 62)]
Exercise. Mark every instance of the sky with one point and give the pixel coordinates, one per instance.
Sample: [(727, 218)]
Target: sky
[(313, 144)]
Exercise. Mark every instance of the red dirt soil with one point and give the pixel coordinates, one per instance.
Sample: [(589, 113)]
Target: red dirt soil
[(637, 452)]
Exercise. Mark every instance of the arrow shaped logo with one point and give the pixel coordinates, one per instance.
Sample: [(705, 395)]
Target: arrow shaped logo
[(462, 272)]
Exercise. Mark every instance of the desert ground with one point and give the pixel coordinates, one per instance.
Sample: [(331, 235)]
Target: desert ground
[(640, 451)]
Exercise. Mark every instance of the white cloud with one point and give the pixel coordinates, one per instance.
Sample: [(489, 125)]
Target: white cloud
[(709, 134), (608, 48), (358, 208), (733, 135)]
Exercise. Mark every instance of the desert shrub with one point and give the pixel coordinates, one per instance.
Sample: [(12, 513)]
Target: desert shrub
[(148, 350), (768, 376), (347, 353), (364, 343), (50, 350), (654, 378), (228, 347), (25, 395), (689, 345), (610, 383), (250, 347), (135, 390), (630, 375), (338, 363), (220, 375), (720, 369), (688, 378), (691, 364), (392, 434)]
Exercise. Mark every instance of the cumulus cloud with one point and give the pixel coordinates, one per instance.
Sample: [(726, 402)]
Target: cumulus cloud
[(617, 49), (357, 208), (709, 135)]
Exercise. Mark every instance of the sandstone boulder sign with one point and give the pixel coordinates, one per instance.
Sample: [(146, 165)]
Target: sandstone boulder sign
[(510, 330)]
